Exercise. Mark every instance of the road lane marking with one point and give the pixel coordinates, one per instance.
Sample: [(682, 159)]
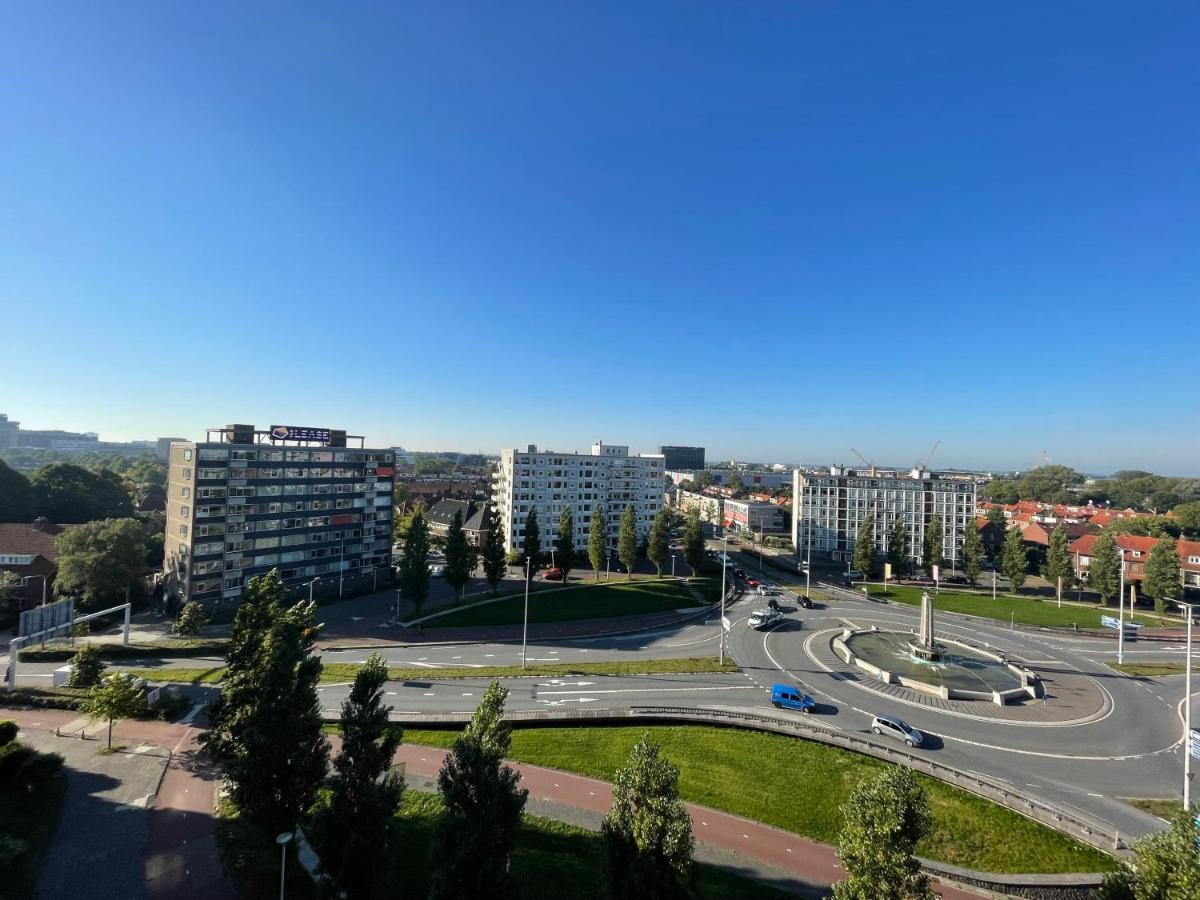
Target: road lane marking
[(733, 687)]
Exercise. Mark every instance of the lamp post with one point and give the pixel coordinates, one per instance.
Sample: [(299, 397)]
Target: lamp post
[(525, 629), (1187, 711), (283, 840), (724, 570), (672, 565), (1121, 611), (396, 617), (341, 566), (26, 579), (808, 561), (310, 589)]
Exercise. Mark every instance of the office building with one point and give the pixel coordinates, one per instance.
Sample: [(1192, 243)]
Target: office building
[(831, 504), (162, 447), (549, 481), (755, 516), (300, 500), (682, 457)]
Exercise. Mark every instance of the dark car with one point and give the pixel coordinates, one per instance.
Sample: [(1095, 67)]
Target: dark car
[(739, 573), (806, 602)]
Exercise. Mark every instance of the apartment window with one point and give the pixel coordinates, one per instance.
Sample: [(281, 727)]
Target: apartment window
[(183, 530), (184, 511), (186, 493), (1194, 560), (187, 455)]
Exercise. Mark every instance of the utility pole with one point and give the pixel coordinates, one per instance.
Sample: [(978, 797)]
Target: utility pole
[(1187, 712), (525, 629), (724, 570), (1121, 611)]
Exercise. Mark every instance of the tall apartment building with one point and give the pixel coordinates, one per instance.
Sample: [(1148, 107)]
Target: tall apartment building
[(296, 499), (549, 481), (682, 457), (831, 505)]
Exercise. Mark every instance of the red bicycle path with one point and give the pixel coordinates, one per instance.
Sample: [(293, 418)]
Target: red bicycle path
[(182, 859)]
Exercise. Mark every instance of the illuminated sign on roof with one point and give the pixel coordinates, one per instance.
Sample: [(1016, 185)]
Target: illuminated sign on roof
[(299, 433)]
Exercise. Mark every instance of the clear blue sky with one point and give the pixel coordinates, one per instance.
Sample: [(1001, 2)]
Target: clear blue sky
[(779, 230)]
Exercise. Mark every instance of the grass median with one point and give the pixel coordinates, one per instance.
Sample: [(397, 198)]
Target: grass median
[(586, 601), (1148, 669), (799, 786)]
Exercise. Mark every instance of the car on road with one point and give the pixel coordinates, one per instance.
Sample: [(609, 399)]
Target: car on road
[(437, 571), (555, 574), (773, 604), (764, 618), (806, 602), (854, 575), (891, 726), (786, 696), (765, 590), (739, 573), (753, 582)]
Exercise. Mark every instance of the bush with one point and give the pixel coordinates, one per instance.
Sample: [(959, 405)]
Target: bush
[(34, 698), (11, 850), (86, 667), (160, 649), (191, 619), (37, 770), (8, 732), (12, 757)]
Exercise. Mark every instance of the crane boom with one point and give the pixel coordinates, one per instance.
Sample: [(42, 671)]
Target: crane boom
[(924, 463), (866, 462)]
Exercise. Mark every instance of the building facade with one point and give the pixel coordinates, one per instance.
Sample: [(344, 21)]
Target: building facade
[(755, 516), (1135, 549), (682, 457), (830, 505), (299, 500), (752, 479), (550, 481), (710, 508)]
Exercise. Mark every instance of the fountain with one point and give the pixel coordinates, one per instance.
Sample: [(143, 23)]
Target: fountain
[(925, 648)]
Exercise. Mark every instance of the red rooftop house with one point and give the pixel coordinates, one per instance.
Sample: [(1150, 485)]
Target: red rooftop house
[(29, 552), (1136, 550)]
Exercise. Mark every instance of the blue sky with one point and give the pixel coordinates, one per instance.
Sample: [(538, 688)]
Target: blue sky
[(779, 230)]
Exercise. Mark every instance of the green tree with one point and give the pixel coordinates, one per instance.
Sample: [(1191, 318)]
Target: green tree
[(736, 484), (693, 541), (458, 555), (100, 560), (365, 793), (648, 832), (658, 547), (972, 551), (87, 668), (703, 479), (598, 538), (68, 493), (474, 841), (627, 540), (1161, 580), (931, 547), (10, 593), (1186, 515), (495, 562), (1166, 864), (414, 561), (883, 819), (898, 553), (1059, 563), (1013, 561), (16, 496), (192, 618), (564, 544), (266, 725), (864, 545), (532, 543), (1104, 571), (118, 696)]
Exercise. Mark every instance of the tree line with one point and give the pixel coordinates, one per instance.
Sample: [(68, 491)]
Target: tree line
[(1129, 488)]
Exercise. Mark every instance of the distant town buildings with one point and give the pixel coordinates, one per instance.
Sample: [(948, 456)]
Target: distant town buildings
[(682, 457), (751, 478), (549, 481), (297, 499), (14, 437), (830, 505)]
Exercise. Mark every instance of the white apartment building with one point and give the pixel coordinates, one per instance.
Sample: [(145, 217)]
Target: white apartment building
[(550, 481), (830, 505)]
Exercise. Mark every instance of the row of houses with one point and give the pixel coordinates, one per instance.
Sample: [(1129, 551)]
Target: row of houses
[(754, 515), (1135, 550)]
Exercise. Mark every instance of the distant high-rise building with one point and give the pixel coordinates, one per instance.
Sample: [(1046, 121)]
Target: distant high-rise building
[(683, 457), (162, 447), (8, 432)]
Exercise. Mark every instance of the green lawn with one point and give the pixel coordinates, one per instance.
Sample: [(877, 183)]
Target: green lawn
[(189, 676), (1022, 610), (1148, 669), (150, 650), (583, 602), (1164, 809), (799, 786)]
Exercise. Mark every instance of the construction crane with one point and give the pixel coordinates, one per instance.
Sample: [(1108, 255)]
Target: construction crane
[(924, 463), (870, 465), (1043, 460)]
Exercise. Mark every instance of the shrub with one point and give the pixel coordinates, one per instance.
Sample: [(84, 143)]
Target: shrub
[(86, 667), (11, 849), (192, 618), (37, 770), (12, 757), (8, 731)]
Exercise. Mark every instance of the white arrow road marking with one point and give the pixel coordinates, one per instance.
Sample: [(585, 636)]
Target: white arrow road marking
[(569, 700), (558, 683)]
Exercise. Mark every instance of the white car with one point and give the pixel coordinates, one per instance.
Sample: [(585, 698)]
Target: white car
[(437, 571), (764, 618)]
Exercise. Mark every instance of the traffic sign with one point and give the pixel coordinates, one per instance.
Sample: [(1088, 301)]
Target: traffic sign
[(1194, 743), (1110, 622), (725, 623)]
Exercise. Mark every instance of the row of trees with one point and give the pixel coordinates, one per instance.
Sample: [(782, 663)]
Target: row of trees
[(66, 493), (898, 553)]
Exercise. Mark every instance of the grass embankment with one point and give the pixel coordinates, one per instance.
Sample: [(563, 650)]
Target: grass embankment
[(799, 786), (587, 601), (1164, 809), (164, 649), (1149, 669), (1022, 610), (337, 673)]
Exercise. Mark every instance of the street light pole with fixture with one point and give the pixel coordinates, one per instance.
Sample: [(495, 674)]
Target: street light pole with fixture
[(1189, 608)]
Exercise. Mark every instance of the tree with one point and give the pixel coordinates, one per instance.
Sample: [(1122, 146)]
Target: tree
[(192, 618), (266, 725), (883, 819), (1013, 561), (16, 496), (659, 545), (627, 540), (1058, 558), (1104, 572), (693, 541), (972, 551), (1166, 864), (648, 832), (735, 483), (564, 544), (68, 493), (1161, 579), (598, 538), (475, 836), (864, 545), (87, 668), (365, 793), (1187, 515), (495, 562), (898, 553), (100, 560), (931, 548), (532, 543), (458, 555), (118, 696), (414, 561), (10, 592), (703, 479)]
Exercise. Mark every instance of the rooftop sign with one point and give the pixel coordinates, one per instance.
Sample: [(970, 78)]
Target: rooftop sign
[(299, 433)]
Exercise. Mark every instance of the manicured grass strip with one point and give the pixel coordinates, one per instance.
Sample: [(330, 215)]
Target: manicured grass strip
[(583, 602), (1164, 809), (1022, 610), (187, 676), (1149, 669), (799, 786), (157, 650), (340, 672)]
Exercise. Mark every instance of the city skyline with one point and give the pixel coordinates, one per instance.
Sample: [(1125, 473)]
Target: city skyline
[(777, 232)]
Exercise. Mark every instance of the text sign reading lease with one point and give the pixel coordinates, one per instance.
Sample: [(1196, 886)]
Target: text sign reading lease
[(299, 433)]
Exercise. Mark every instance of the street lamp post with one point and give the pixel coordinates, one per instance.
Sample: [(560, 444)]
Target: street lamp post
[(672, 565), (724, 570), (808, 561), (396, 617), (1121, 611), (310, 589), (283, 840), (525, 629), (1187, 711), (341, 566)]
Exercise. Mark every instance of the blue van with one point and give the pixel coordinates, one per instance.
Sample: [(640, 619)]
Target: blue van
[(785, 696)]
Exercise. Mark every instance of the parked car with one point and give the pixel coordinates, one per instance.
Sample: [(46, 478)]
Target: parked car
[(897, 728), (554, 574), (752, 582), (785, 696), (854, 575), (764, 618), (765, 590)]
